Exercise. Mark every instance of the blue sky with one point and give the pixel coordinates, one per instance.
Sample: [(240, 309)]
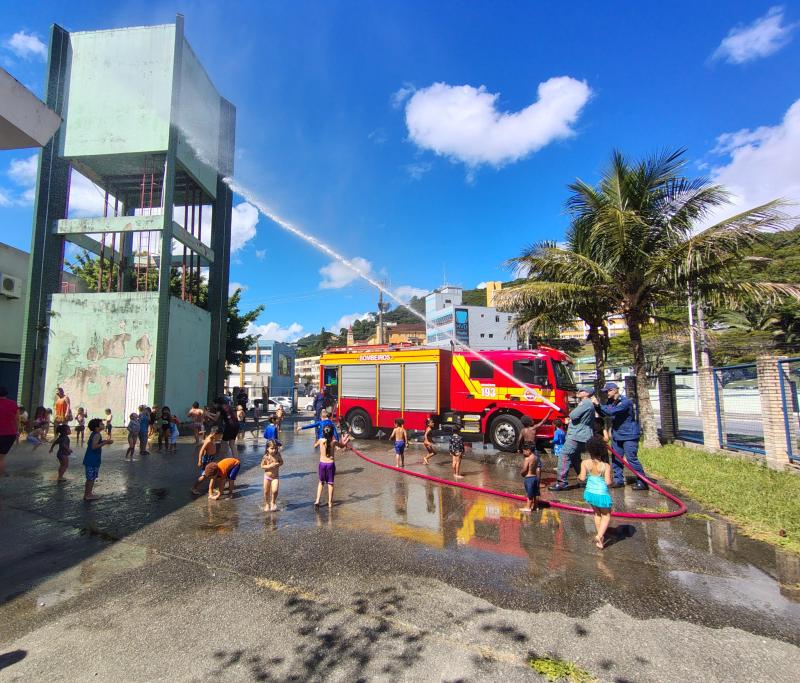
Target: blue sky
[(422, 138)]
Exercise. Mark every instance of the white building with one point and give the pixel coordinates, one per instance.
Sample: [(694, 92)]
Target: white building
[(306, 368), (481, 327)]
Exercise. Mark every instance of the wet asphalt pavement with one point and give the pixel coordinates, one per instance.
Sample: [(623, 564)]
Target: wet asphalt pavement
[(402, 579)]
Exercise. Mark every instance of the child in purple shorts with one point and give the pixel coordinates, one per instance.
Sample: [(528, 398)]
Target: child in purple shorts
[(94, 452), (327, 466)]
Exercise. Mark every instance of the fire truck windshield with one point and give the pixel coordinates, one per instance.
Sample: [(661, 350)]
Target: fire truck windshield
[(565, 379)]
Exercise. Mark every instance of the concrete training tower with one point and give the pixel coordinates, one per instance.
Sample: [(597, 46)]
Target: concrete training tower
[(143, 121)]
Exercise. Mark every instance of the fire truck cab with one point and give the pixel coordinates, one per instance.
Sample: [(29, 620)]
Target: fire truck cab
[(486, 394)]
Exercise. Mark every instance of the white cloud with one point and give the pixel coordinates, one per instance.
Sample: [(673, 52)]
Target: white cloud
[(273, 330), (378, 136), (480, 285), (760, 164), (337, 275), (233, 286), (261, 254), (85, 198), (26, 46), (23, 171), (401, 95), (5, 199), (462, 122), (765, 36), (418, 169), (346, 320), (243, 225), (407, 292)]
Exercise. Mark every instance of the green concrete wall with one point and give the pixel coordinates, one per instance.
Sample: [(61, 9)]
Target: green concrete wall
[(198, 122), (187, 356), (119, 92), (92, 338)]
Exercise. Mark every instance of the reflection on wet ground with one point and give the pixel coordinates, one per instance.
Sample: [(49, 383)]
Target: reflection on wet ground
[(696, 569)]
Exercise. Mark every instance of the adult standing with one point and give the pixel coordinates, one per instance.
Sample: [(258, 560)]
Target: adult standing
[(9, 426), (579, 431), (62, 410), (319, 403), (228, 425), (625, 433)]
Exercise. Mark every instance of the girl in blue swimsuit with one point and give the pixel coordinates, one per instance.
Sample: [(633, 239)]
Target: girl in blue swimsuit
[(596, 472)]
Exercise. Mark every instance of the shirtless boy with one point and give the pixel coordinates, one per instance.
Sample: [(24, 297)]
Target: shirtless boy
[(400, 437), (532, 473)]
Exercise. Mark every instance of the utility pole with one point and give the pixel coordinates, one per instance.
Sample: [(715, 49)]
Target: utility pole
[(694, 357), (380, 317)]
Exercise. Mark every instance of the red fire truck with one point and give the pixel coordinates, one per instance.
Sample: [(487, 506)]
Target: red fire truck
[(374, 385)]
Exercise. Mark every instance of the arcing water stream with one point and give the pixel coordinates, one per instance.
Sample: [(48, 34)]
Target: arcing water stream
[(327, 250)]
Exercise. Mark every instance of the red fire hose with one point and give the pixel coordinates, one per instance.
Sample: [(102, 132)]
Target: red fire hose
[(548, 503)]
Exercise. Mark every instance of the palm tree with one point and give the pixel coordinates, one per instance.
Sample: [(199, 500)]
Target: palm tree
[(642, 249), (540, 306)]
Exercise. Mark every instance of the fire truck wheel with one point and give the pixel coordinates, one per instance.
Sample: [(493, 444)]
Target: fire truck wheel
[(505, 433), (360, 424)]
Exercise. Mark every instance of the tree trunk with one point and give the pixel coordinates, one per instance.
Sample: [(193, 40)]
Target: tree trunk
[(646, 417), (599, 348)]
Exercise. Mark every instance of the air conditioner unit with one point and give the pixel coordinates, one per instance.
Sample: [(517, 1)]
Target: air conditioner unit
[(10, 286)]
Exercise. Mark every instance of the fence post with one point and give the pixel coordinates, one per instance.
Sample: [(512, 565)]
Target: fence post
[(669, 406), (773, 406), (711, 408)]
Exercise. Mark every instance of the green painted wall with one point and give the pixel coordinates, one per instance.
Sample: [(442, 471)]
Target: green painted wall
[(120, 90), (198, 122), (92, 338), (187, 356)]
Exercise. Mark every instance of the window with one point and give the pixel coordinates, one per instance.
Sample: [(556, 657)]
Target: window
[(448, 301), (480, 369), (482, 335), (497, 318), (532, 371), (284, 366), (491, 336), (564, 377)]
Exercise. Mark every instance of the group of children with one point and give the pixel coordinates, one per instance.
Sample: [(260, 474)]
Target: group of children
[(595, 473), (456, 447), (222, 474)]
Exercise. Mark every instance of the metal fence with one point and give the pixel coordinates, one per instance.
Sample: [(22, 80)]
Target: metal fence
[(687, 398), (738, 408), (789, 373)]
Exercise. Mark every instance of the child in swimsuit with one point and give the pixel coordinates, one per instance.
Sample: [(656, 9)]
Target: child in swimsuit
[(426, 441), (532, 473), (109, 421), (64, 451), (207, 453), (596, 472), (327, 466), (457, 451), (133, 435), (529, 428), (195, 414), (80, 428), (173, 434), (400, 437), (271, 464)]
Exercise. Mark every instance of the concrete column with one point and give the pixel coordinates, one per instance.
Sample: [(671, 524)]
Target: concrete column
[(776, 401), (50, 204), (713, 415), (669, 406)]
